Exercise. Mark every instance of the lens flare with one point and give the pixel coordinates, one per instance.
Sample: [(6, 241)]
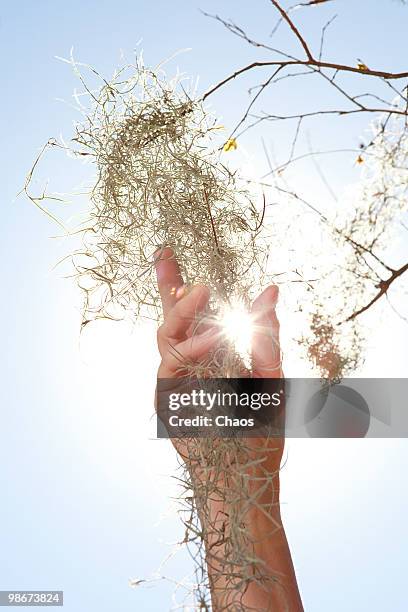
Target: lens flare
[(237, 326)]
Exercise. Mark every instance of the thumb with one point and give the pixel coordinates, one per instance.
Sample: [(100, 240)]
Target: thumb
[(266, 354)]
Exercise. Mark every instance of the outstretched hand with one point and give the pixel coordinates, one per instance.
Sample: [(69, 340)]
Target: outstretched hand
[(176, 340)]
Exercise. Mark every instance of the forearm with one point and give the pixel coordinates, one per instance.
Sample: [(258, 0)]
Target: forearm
[(272, 549), (270, 583)]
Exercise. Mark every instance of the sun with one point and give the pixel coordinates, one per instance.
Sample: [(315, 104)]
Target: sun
[(237, 325)]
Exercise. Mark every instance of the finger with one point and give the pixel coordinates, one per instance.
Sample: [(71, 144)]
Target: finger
[(180, 318), (169, 278), (189, 351), (266, 355)]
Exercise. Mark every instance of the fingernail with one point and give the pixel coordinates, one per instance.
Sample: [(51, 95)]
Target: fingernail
[(159, 253), (180, 292)]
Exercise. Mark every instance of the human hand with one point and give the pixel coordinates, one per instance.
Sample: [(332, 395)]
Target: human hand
[(180, 342)]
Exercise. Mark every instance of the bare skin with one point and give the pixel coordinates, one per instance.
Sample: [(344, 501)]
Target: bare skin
[(175, 338)]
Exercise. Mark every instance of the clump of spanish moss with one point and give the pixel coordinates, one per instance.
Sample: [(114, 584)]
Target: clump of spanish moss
[(160, 182), (325, 350)]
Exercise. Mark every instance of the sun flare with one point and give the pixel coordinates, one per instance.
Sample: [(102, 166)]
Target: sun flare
[(237, 325)]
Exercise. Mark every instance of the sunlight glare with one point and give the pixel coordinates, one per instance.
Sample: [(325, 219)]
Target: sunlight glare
[(238, 326)]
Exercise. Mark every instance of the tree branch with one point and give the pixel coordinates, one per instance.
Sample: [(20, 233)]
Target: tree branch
[(311, 63), (383, 287), (294, 29)]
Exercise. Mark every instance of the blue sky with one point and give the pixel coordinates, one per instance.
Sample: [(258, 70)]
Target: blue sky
[(84, 488)]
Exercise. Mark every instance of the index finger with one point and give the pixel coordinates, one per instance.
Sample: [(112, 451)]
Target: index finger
[(169, 278)]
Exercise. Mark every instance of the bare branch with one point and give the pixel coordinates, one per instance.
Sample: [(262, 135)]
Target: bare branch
[(383, 287), (294, 29), (312, 63)]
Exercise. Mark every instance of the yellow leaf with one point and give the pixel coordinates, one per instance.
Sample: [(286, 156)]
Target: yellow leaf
[(362, 67), (360, 160), (230, 145)]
